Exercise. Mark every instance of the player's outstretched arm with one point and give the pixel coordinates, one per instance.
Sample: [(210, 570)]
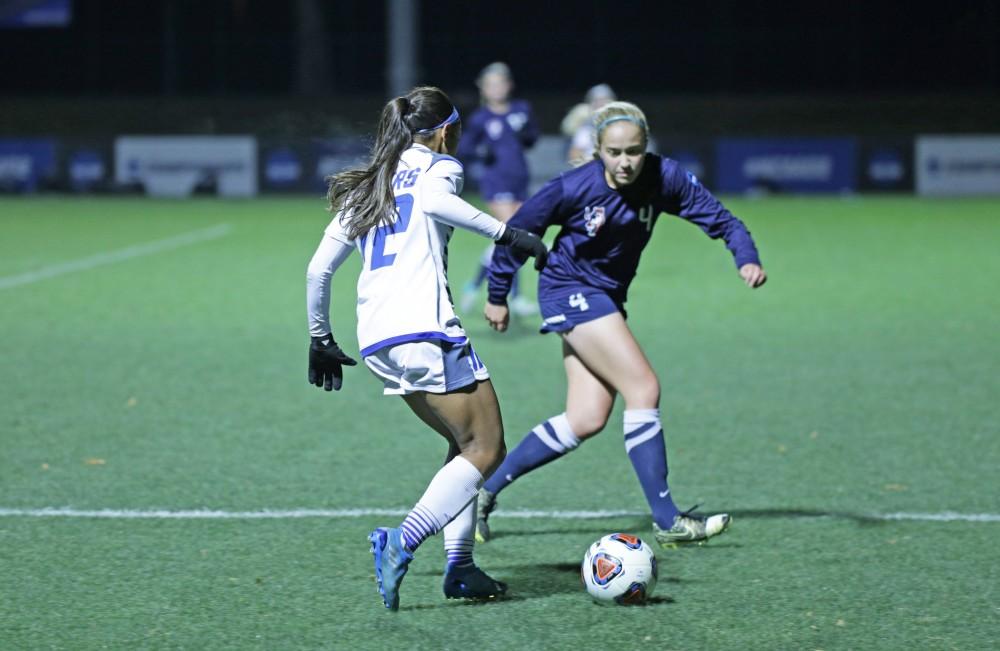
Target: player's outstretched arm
[(526, 243), (444, 206)]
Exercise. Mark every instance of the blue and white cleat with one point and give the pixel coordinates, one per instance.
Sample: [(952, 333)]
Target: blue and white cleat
[(471, 583), (392, 559)]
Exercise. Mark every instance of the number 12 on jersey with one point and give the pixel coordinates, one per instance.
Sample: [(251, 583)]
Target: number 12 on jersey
[(404, 207)]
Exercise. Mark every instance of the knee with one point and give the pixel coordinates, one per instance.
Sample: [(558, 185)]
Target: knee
[(587, 423), (643, 394)]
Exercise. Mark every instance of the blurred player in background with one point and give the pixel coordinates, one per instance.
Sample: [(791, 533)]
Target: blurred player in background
[(399, 212), (578, 125), (606, 210), (496, 135)]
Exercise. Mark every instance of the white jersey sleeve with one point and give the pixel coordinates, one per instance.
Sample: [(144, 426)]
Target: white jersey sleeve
[(333, 250), (441, 202)]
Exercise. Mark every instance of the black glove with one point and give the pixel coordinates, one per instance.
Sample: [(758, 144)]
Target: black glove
[(326, 360), (526, 243)]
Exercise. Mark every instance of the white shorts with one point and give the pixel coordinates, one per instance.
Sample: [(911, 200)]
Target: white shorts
[(431, 366)]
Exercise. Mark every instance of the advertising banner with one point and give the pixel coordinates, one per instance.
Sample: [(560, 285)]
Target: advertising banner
[(885, 165), (30, 14), (26, 162), (175, 166), (695, 155), (86, 170), (786, 165), (282, 169), (958, 165)]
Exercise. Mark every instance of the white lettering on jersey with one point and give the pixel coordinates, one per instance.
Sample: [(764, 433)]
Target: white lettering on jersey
[(578, 300), (403, 285), (646, 215)]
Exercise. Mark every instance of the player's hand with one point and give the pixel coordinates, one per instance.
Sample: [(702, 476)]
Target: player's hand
[(525, 243), (753, 275), (326, 362), (498, 316)]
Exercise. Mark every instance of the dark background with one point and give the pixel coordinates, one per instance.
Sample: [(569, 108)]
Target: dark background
[(240, 47), (317, 68)]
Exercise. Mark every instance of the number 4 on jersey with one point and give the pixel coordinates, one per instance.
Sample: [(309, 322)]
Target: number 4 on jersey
[(646, 215), (578, 300)]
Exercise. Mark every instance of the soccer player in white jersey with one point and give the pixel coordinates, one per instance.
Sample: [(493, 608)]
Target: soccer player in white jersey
[(399, 212)]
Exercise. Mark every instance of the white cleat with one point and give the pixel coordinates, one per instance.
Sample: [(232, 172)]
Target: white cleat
[(688, 527)]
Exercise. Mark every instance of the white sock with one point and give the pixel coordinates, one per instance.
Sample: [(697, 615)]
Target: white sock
[(561, 437), (459, 537), (451, 490)]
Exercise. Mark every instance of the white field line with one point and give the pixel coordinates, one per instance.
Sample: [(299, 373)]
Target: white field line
[(288, 514), (111, 257)]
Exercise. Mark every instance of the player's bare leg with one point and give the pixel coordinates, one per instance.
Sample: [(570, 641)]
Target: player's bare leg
[(589, 400), (463, 579), (470, 419), (471, 416), (607, 348)]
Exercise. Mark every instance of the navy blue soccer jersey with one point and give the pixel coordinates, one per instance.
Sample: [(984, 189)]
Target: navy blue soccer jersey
[(604, 231), (498, 142)]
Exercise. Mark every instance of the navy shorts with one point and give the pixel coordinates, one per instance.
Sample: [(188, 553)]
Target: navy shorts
[(564, 307), (501, 190)]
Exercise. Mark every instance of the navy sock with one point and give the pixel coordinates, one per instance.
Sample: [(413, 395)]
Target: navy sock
[(648, 453), (548, 441)]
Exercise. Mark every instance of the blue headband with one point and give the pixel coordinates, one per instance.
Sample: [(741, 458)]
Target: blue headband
[(448, 120), (617, 118)]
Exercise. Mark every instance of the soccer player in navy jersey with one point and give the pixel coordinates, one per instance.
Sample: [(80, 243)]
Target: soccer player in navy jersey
[(606, 210), (496, 135)]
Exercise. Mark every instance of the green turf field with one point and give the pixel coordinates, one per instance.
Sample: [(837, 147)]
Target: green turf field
[(862, 381)]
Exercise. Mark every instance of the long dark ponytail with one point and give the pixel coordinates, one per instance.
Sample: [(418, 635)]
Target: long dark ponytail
[(364, 194)]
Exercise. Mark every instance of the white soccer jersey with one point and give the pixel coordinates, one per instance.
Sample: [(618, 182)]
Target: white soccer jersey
[(403, 290)]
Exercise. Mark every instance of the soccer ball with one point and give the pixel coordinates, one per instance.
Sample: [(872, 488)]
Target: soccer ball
[(619, 569)]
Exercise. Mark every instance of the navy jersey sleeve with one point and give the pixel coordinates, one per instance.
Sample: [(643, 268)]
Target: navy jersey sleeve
[(535, 215), (698, 206), (528, 135)]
